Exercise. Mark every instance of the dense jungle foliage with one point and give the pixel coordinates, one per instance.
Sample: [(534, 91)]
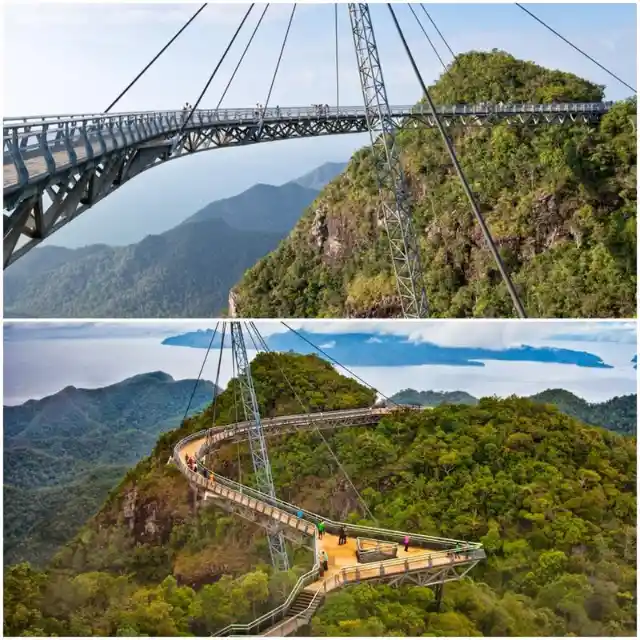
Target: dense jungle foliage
[(552, 500), (620, 414), (63, 454), (560, 202)]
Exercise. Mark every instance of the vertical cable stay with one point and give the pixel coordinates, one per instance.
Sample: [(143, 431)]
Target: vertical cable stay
[(212, 76), (257, 440), (586, 55), (465, 185), (435, 26), (395, 199), (244, 53), (195, 386), (335, 18), (275, 72), (426, 35), (166, 46)]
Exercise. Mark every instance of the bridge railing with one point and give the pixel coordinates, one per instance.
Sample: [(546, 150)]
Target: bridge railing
[(216, 435), (240, 113), (84, 137)]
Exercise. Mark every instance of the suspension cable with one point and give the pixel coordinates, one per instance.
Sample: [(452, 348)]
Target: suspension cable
[(335, 20), (166, 46), (586, 55), (465, 185), (244, 53), (275, 73), (215, 397), (224, 55), (326, 355), (415, 15), (446, 44), (195, 386), (235, 406), (308, 412)]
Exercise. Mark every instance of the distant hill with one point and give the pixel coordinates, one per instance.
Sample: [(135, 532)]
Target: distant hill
[(263, 207), (432, 398), (64, 453), (319, 178), (187, 271), (184, 272), (619, 414)]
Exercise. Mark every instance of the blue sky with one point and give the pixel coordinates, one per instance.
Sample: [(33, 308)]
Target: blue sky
[(480, 357), (98, 48)]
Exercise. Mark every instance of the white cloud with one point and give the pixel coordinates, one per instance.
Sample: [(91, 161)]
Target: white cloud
[(492, 334)]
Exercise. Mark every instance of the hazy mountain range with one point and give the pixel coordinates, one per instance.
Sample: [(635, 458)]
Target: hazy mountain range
[(81, 442), (184, 272)]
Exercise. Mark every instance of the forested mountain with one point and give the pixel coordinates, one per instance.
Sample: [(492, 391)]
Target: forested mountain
[(184, 272), (322, 175), (560, 202), (552, 500), (432, 398), (263, 207), (619, 414), (64, 453)]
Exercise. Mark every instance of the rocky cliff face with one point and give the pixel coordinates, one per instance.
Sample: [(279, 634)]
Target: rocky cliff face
[(560, 202)]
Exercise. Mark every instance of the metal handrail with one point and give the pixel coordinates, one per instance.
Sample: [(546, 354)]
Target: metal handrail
[(300, 613), (232, 430), (243, 112)]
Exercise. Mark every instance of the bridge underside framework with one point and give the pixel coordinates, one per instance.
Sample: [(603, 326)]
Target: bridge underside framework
[(429, 561), (55, 168)]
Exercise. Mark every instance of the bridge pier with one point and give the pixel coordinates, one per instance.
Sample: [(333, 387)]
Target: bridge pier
[(439, 591)]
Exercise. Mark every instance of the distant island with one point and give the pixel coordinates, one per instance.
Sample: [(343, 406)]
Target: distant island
[(355, 349)]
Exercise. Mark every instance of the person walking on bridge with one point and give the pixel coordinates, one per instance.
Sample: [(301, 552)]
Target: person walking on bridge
[(321, 528), (406, 543), (324, 559), (342, 539)]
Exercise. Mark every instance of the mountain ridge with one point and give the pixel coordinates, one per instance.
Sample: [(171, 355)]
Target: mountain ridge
[(50, 444), (560, 202), (186, 271)]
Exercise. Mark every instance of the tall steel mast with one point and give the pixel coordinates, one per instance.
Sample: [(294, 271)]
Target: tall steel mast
[(257, 443), (392, 184)]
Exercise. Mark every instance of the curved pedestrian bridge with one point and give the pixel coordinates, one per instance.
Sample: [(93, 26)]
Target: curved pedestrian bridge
[(429, 560)]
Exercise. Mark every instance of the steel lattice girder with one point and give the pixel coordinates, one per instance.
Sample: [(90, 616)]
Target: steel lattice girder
[(257, 442), (74, 188), (392, 184), (262, 520)]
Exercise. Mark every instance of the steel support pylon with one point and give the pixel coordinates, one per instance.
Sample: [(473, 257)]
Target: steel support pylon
[(257, 442), (394, 194)]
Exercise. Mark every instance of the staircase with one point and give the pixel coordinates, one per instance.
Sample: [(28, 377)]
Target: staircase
[(299, 614)]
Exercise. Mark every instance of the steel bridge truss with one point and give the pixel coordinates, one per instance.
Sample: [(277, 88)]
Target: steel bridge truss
[(257, 441), (55, 169), (396, 215)]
